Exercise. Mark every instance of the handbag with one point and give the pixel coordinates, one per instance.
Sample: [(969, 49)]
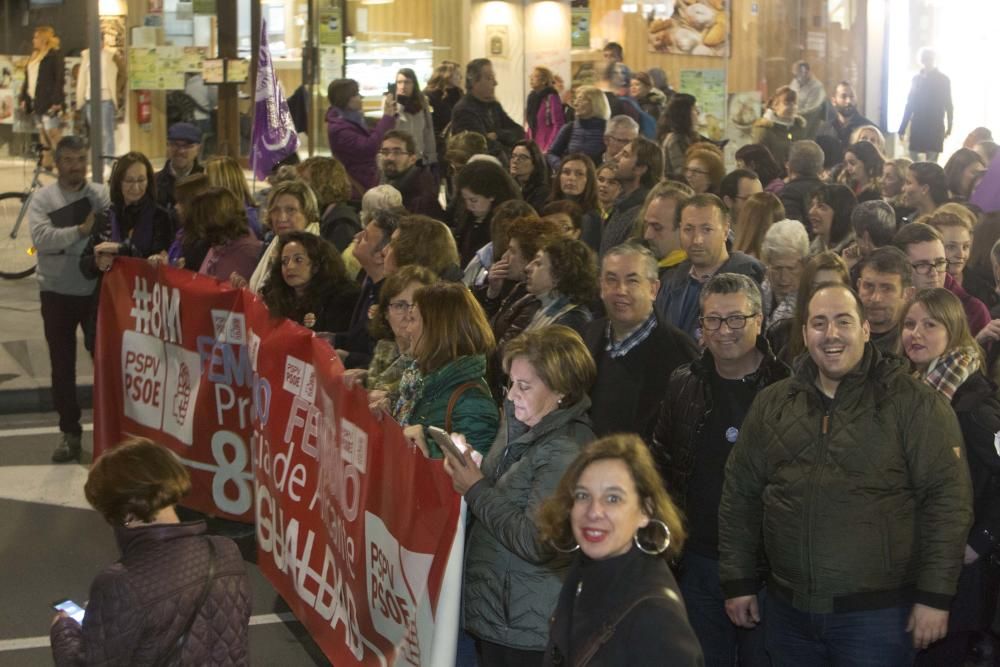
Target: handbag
[(178, 645)]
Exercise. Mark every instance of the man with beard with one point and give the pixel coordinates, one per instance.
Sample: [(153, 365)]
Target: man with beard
[(634, 350), (885, 285), (60, 224), (848, 478), (845, 117), (699, 422), (704, 230), (639, 167), (397, 164)]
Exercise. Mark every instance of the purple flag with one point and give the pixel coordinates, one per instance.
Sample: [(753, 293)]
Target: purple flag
[(274, 137), (987, 193)]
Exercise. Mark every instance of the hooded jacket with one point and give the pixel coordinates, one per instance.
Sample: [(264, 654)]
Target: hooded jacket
[(862, 504), (777, 136), (512, 579)]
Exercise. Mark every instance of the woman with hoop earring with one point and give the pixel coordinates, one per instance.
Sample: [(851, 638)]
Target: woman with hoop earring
[(512, 576), (619, 604)]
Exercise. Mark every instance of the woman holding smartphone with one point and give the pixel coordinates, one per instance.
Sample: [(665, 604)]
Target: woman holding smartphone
[(512, 576)]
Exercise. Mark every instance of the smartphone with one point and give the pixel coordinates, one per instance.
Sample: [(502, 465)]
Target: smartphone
[(75, 611), (443, 441), (391, 88)]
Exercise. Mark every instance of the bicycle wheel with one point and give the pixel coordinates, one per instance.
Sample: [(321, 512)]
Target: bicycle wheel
[(17, 255)]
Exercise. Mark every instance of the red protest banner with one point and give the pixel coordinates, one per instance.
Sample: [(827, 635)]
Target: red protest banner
[(357, 531)]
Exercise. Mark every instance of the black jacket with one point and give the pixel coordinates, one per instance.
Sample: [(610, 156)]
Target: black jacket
[(420, 191), (927, 108), (628, 390), (356, 339), (49, 88), (795, 197), (599, 595), (339, 225), (473, 115), (165, 181), (685, 410), (978, 410)]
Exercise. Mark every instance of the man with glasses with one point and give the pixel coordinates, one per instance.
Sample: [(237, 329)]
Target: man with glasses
[(397, 165), (698, 424), (634, 350), (704, 233), (924, 248), (183, 146), (618, 133)]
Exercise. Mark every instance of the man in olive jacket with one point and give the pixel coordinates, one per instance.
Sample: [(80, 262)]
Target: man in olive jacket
[(851, 474)]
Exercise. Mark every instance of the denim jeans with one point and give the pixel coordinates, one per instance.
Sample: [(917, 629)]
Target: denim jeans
[(107, 127), (722, 642), (875, 638), (931, 157)]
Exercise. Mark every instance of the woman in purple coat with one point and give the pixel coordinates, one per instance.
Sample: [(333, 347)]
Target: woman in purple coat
[(351, 141)]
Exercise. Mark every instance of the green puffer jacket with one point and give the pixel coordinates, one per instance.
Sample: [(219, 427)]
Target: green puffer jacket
[(864, 506), (512, 581), (475, 413)]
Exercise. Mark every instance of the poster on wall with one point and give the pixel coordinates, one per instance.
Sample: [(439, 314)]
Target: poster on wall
[(498, 41), (743, 109), (580, 28), (708, 87), (331, 26), (8, 94), (690, 27)]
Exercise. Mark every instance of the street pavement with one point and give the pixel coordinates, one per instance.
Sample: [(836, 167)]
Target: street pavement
[(52, 543)]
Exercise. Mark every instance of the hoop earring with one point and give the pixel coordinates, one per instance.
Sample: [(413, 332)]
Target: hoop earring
[(564, 551), (659, 549)]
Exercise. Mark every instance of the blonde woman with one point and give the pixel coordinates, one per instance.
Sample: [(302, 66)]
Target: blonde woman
[(586, 133), (42, 94), (226, 172)]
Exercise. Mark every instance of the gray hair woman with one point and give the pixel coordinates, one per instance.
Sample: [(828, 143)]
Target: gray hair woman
[(512, 576), (783, 250)]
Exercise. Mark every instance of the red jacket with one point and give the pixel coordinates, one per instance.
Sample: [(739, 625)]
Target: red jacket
[(140, 605), (975, 310)]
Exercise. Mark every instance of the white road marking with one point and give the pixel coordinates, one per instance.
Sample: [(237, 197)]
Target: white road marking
[(24, 643), (37, 430)]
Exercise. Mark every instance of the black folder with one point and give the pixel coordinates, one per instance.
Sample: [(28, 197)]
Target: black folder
[(73, 214)]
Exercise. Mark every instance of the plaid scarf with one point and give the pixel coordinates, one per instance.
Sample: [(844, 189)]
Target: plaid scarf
[(947, 373), (411, 386)]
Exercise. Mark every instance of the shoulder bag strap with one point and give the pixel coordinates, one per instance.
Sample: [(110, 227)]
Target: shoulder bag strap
[(178, 645), (607, 630), (455, 395)]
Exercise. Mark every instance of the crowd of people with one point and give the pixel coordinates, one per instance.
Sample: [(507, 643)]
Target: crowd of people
[(732, 417)]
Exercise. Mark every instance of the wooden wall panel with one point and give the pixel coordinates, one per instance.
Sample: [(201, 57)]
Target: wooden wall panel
[(413, 17)]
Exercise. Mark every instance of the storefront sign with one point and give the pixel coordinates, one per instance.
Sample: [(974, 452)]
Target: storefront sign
[(357, 531)]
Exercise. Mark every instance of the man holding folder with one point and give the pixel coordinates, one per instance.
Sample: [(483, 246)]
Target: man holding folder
[(61, 217)]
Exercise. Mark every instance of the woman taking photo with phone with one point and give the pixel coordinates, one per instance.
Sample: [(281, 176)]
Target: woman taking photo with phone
[(176, 595), (512, 578)]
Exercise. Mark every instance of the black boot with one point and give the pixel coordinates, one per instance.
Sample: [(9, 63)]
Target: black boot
[(68, 450)]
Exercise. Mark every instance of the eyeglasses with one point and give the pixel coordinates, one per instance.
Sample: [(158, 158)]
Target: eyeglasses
[(180, 145), (520, 157), (608, 137), (401, 307), (734, 322), (393, 152), (782, 271), (692, 170), (926, 268)]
